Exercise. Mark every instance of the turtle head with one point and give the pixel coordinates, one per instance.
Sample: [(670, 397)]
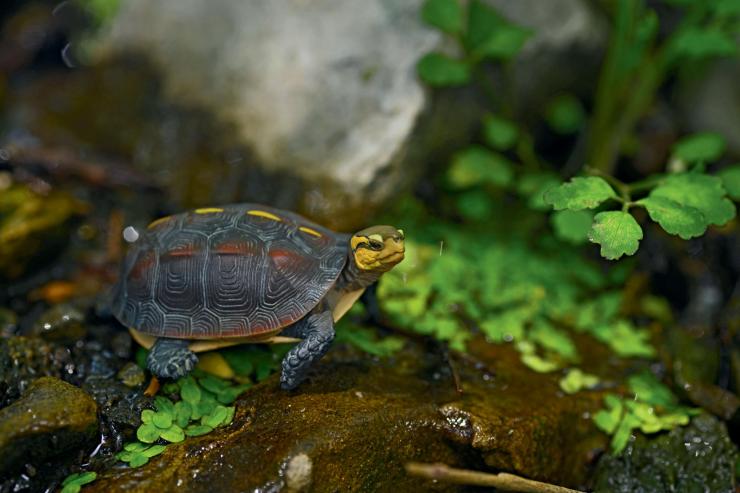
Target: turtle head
[(377, 248)]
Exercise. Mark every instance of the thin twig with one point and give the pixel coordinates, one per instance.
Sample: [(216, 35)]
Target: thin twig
[(504, 481)]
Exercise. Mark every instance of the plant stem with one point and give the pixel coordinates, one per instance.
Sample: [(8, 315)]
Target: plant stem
[(504, 481), (646, 184), (601, 145)]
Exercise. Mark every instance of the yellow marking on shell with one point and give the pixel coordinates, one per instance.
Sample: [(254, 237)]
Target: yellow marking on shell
[(376, 237), (310, 231), (158, 221), (264, 214), (208, 210)]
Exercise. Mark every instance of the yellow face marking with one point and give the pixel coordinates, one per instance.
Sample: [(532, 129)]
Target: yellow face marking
[(264, 214), (356, 240), (158, 221), (208, 210), (310, 231)]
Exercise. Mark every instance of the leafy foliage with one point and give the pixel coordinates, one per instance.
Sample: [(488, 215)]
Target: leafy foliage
[(482, 35), (576, 380), (512, 292), (699, 147), (367, 339), (700, 192), (653, 408), (446, 15), (500, 133), (255, 361), (74, 482), (730, 177), (684, 204), (200, 405), (579, 193), (617, 232), (490, 35), (440, 70), (565, 114), (675, 218)]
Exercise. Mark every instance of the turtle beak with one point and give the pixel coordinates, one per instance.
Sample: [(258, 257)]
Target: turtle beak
[(394, 250)]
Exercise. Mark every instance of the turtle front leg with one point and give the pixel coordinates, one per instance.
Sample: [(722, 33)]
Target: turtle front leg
[(317, 332), (171, 358)]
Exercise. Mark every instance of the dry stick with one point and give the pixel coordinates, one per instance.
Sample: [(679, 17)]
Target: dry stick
[(504, 481)]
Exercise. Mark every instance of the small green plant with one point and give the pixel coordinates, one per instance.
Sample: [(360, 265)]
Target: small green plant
[(535, 297), (576, 380), (683, 204), (640, 58), (652, 408), (367, 340), (200, 405), (685, 201), (74, 482)]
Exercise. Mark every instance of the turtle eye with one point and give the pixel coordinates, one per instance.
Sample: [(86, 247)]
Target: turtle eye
[(376, 245)]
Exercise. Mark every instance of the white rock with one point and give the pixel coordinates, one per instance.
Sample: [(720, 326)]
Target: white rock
[(327, 89)]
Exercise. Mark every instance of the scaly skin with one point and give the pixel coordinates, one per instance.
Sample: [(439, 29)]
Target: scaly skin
[(171, 358), (317, 332)]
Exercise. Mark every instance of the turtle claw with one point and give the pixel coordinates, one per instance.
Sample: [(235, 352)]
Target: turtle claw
[(171, 358)]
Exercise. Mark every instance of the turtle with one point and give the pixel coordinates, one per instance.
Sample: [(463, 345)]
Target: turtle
[(219, 276)]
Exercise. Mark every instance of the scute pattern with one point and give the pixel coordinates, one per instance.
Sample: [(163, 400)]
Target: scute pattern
[(226, 274)]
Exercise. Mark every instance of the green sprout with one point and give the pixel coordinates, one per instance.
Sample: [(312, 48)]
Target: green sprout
[(74, 482), (200, 406), (654, 408)]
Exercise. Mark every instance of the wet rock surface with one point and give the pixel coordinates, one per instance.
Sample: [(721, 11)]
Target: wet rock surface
[(698, 457), (51, 418), (357, 421), (24, 359)]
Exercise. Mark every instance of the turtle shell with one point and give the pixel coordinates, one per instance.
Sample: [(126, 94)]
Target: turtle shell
[(233, 271)]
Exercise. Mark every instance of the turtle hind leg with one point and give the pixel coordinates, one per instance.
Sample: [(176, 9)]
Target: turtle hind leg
[(317, 331), (171, 358)]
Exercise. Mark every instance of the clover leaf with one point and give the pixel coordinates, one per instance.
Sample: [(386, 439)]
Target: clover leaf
[(702, 147), (439, 70), (189, 391), (617, 232), (677, 219), (576, 380), (730, 177), (74, 482), (700, 191), (580, 193), (490, 35), (446, 15)]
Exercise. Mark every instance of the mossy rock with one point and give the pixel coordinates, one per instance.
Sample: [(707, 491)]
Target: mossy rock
[(696, 458), (24, 359), (358, 420), (50, 419)]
